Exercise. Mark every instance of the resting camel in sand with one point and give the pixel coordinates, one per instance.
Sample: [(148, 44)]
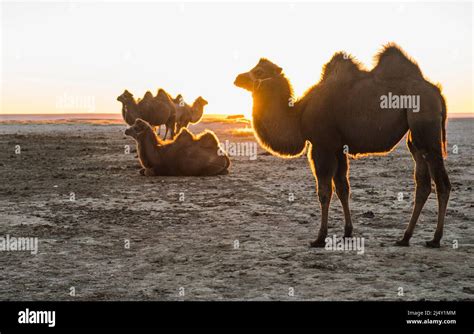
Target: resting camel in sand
[(344, 112), (152, 109), (187, 155), (186, 114)]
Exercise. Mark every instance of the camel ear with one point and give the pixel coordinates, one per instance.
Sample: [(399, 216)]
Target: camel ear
[(278, 70)]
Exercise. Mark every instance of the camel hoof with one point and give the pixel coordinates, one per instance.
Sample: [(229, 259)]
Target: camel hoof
[(142, 171), (348, 232), (432, 244), (402, 243), (318, 244)]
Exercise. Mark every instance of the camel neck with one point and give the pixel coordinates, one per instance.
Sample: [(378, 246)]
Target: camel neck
[(197, 110), (149, 149), (131, 112), (277, 119)]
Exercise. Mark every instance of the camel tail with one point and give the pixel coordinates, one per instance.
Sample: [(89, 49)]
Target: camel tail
[(443, 128)]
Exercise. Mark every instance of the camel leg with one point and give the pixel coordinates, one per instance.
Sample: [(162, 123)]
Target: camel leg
[(172, 131), (166, 132), (171, 125), (423, 190), (324, 167), (426, 137), (341, 181), (443, 189), (159, 129)]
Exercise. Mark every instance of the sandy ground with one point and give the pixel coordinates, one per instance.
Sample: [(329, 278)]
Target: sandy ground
[(189, 246)]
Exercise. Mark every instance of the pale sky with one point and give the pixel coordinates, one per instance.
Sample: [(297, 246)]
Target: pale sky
[(83, 52)]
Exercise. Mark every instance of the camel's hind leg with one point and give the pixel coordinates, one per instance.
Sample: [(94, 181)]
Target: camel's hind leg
[(341, 181), (426, 138), (324, 166), (443, 189), (423, 190)]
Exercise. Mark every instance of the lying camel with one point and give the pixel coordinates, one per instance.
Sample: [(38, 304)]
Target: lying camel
[(187, 155), (153, 110), (186, 114)]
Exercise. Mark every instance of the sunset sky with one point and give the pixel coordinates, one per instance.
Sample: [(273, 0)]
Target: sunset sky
[(88, 53)]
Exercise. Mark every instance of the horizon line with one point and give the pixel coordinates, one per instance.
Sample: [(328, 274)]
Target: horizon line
[(119, 115)]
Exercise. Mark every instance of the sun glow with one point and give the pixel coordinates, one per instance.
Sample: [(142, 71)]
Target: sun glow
[(53, 53)]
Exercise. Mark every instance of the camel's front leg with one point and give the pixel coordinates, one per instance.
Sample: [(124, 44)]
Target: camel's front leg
[(324, 166)]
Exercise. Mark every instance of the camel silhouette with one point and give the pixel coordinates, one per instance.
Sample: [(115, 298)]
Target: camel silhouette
[(343, 116), (154, 110), (187, 155), (186, 114)]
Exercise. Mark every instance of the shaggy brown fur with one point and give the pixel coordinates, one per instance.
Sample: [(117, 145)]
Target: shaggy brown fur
[(165, 98), (187, 155), (153, 110), (343, 113), (186, 114)]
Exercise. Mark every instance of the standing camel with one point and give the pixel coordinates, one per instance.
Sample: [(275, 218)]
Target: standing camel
[(165, 98), (344, 112), (186, 114), (152, 109)]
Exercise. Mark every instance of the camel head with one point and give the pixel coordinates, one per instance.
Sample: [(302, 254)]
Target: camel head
[(200, 102), (126, 97), (264, 70), (139, 127)]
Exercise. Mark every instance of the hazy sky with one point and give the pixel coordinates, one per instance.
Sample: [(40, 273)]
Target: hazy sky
[(78, 57)]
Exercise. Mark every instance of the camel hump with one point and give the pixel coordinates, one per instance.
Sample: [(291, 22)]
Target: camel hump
[(148, 95), (394, 63), (208, 140), (342, 66), (147, 98), (184, 136), (163, 95)]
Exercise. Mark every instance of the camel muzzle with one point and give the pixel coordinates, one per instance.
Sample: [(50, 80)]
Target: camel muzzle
[(244, 81)]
